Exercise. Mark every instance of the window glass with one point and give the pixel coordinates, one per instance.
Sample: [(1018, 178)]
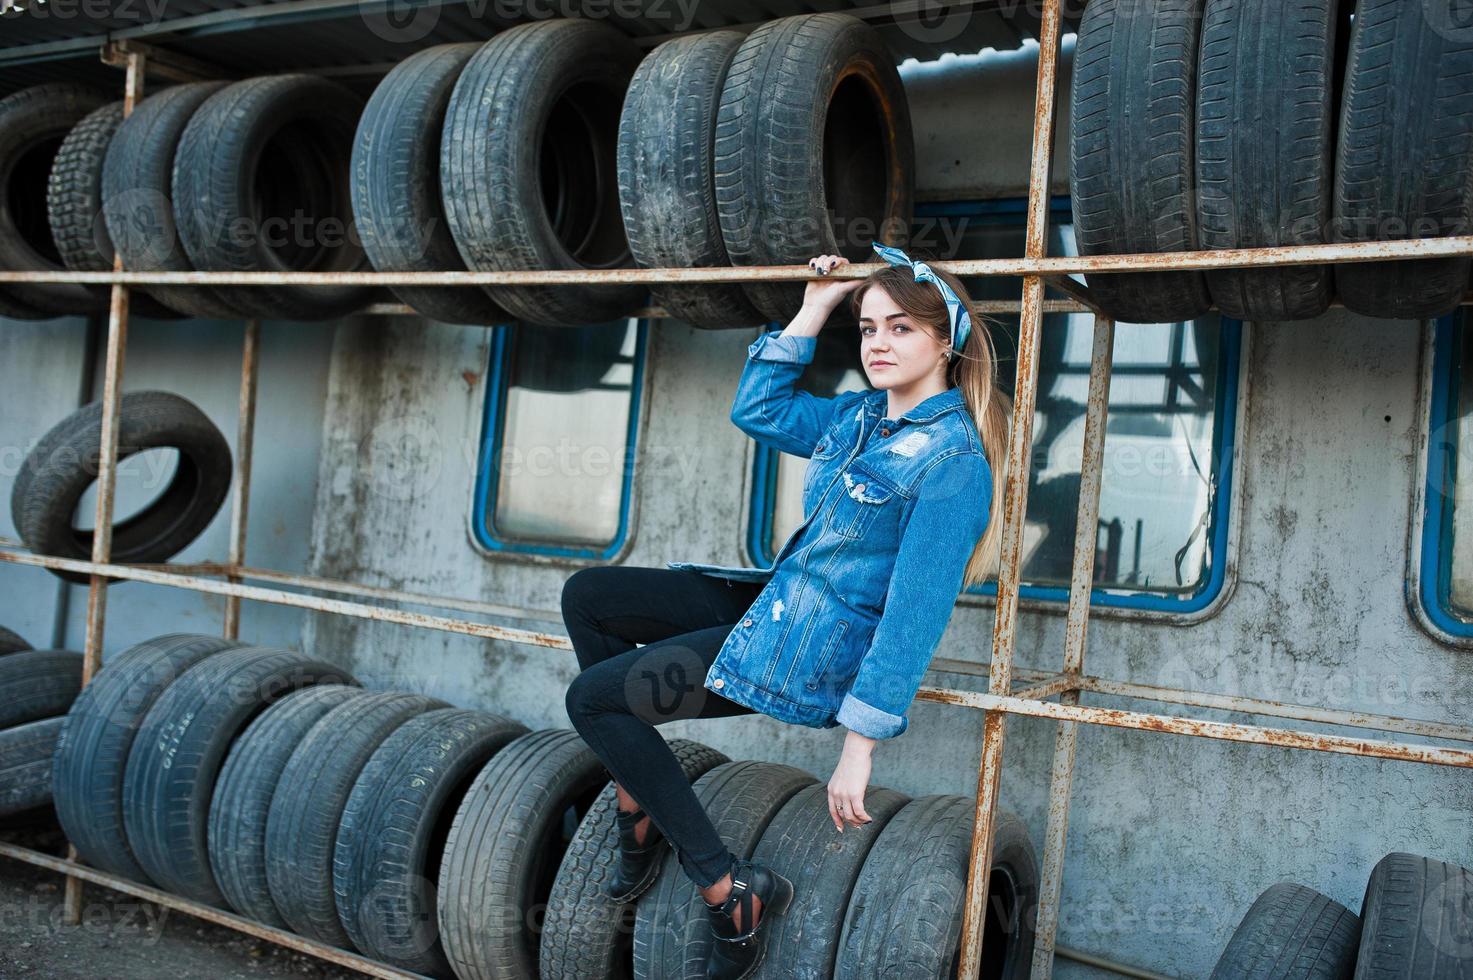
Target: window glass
[(1447, 546), (1158, 499), (556, 461)]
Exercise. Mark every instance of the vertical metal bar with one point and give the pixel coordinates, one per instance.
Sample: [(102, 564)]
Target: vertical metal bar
[(240, 481), (107, 468), (1015, 502), (1085, 536)]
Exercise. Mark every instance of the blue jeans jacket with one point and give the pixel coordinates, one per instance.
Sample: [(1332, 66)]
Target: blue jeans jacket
[(857, 599)]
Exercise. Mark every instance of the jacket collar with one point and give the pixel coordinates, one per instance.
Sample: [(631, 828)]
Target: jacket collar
[(924, 410)]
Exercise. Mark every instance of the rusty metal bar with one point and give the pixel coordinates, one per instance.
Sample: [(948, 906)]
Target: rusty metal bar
[(660, 313), (240, 479), (1415, 248), (1057, 684), (1015, 503), (80, 872), (1256, 734), (1086, 536), (107, 466)]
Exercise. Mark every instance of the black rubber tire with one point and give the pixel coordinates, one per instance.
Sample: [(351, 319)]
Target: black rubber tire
[(1254, 192), (25, 764), (667, 187), (503, 851), (74, 206), (1405, 156), (672, 935), (396, 185), (259, 150), (393, 828), (905, 914), (12, 642), (138, 194), (236, 827), (36, 684), (585, 933), (813, 132), (302, 823), (1416, 921), (1292, 933), (63, 465), (1133, 98), (33, 123), (803, 846), (184, 738), (91, 758), (527, 165)]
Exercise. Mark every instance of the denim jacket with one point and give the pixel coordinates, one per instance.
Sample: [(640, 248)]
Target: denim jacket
[(858, 597)]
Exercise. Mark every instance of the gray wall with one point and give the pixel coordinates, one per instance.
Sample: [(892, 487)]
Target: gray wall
[(1171, 838)]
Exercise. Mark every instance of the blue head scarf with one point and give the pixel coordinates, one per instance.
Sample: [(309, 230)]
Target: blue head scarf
[(961, 322)]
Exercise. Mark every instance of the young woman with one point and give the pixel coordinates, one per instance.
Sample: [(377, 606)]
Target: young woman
[(900, 514)]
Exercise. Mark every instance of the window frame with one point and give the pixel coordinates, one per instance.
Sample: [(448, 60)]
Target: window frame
[(484, 535), (1111, 601)]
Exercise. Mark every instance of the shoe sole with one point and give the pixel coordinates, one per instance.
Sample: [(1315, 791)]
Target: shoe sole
[(651, 876)]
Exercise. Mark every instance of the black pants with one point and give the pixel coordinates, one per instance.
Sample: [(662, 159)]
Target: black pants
[(682, 617)]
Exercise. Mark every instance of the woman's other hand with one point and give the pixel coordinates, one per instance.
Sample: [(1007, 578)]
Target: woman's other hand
[(847, 786), (826, 295)]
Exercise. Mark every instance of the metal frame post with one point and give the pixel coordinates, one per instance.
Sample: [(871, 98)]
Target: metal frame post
[(240, 479)]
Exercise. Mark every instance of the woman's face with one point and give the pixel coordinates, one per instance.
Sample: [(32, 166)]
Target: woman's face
[(894, 349)]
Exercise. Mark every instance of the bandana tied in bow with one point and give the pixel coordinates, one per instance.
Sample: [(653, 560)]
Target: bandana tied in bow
[(961, 322)]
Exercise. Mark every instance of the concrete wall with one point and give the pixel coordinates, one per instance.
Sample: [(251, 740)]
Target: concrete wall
[(1170, 839)]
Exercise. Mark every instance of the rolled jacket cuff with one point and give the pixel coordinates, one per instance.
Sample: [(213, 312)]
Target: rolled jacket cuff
[(773, 346), (869, 721)]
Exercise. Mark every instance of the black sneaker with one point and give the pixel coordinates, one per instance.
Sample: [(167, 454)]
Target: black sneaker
[(638, 866), (734, 956)]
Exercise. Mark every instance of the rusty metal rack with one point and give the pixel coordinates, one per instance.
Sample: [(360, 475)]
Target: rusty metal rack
[(1010, 690)]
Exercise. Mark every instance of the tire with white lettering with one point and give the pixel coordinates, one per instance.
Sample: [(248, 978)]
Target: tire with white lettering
[(138, 196), (74, 206), (396, 184), (177, 754), (814, 152), (667, 187), (527, 165), (1133, 109), (92, 754), (1259, 193), (302, 823), (587, 934), (63, 465), (25, 764), (255, 159), (36, 684), (672, 935), (1416, 921), (33, 123), (905, 913), (1404, 166), (11, 642), (503, 851), (1292, 933), (393, 828), (236, 829)]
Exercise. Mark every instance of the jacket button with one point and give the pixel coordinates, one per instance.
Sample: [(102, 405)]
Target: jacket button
[(718, 683), (859, 487), (746, 622), (884, 432), (818, 448)]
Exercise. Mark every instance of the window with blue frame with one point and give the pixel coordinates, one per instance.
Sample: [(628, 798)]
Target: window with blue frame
[(1446, 573), (558, 440), (1162, 532)]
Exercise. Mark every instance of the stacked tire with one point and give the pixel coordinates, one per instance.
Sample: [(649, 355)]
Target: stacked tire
[(36, 689)]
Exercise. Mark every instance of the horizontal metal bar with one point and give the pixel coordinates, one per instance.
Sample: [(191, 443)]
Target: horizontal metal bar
[(660, 313), (1284, 738), (281, 937), (317, 603), (1280, 709), (1417, 248)]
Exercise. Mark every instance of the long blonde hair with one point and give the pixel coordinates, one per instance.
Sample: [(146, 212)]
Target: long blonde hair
[(974, 371)]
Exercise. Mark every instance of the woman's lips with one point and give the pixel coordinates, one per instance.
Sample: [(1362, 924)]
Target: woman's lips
[(875, 364)]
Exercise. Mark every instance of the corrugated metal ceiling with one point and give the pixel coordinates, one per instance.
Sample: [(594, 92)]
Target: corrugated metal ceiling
[(359, 40)]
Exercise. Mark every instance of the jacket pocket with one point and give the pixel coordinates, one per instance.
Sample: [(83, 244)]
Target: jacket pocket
[(825, 658), (863, 499)]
